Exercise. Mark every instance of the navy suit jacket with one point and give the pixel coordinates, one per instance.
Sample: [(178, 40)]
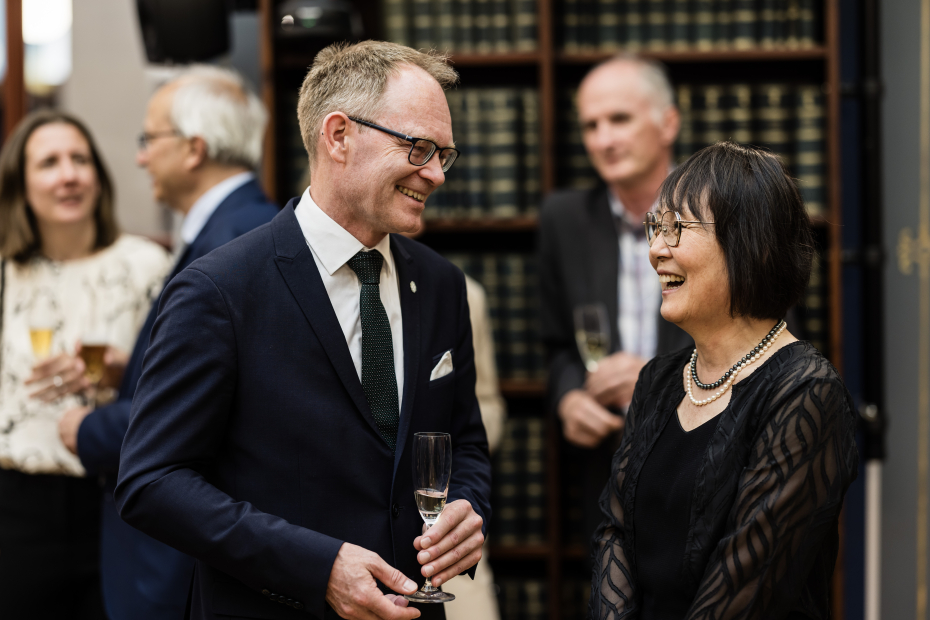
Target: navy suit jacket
[(142, 578), (251, 444)]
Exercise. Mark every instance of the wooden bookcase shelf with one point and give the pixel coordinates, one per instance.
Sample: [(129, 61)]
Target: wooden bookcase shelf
[(551, 71)]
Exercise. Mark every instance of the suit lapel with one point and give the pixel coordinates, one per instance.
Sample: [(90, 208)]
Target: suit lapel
[(604, 259), (300, 273), (407, 272)]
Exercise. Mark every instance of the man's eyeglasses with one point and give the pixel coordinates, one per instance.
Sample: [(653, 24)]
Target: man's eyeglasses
[(670, 225), (421, 149), (144, 138)]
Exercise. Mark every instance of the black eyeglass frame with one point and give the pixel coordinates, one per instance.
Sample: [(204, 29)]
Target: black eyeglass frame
[(413, 143), (143, 139), (652, 224)]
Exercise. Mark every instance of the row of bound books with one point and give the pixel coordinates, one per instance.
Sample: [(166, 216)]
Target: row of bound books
[(462, 26), (510, 283), (575, 594), (523, 599), (518, 493), (789, 120), (498, 172), (814, 310), (609, 25)]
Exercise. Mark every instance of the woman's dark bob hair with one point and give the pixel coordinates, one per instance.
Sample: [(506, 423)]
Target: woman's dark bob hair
[(19, 232), (759, 220)]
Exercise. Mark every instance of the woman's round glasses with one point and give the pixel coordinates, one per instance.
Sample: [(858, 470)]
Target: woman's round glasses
[(669, 224), (421, 149)]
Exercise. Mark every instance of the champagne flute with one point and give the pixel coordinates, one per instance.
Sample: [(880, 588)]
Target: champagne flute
[(42, 327), (432, 469), (592, 334)]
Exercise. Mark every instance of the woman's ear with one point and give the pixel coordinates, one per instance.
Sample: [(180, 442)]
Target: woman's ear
[(333, 140)]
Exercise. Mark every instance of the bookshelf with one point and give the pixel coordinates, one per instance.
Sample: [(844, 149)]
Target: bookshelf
[(551, 70)]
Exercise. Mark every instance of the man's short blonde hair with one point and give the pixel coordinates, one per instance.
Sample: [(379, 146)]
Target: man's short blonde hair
[(351, 79)]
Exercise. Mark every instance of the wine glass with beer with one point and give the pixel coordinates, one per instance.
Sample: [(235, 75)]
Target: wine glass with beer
[(93, 351), (42, 327), (592, 334), (432, 469)]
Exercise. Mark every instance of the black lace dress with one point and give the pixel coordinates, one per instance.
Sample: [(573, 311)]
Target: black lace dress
[(761, 538)]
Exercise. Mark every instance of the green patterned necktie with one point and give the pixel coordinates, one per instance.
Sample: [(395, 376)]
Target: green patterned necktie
[(378, 379)]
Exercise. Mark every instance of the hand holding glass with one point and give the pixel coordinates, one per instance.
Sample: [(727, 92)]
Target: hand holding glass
[(432, 469)]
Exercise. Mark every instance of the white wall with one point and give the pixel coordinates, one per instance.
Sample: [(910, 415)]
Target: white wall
[(109, 90)]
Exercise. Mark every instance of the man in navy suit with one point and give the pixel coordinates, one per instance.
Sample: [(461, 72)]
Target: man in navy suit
[(202, 139), (272, 428)]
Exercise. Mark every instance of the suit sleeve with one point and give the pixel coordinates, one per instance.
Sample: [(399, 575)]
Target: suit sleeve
[(100, 436), (566, 370), (179, 417)]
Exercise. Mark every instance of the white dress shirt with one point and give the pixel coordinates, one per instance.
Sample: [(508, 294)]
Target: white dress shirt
[(332, 246), (639, 291), (197, 217)]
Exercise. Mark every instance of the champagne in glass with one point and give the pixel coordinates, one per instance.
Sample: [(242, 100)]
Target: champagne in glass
[(592, 334), (41, 338), (432, 469), (94, 367)]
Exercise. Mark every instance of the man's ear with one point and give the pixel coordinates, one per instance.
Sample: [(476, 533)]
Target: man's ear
[(196, 153), (672, 123), (334, 139)]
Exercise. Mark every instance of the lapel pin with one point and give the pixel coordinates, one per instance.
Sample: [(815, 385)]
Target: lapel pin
[(413, 286)]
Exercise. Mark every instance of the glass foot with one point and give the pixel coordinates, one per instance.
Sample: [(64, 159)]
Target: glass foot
[(430, 596)]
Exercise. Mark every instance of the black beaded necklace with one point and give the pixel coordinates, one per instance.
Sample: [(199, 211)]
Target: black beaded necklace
[(755, 351)]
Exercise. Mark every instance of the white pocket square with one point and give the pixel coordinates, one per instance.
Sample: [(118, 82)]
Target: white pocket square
[(443, 368)]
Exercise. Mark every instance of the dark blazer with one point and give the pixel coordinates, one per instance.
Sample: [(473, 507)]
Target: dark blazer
[(251, 445), (579, 258), (143, 578)]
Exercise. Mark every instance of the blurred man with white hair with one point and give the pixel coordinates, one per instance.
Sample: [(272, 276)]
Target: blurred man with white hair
[(201, 143), (593, 250)]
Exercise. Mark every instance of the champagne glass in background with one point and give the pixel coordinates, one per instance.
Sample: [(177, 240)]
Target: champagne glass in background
[(592, 334), (42, 326), (432, 469)]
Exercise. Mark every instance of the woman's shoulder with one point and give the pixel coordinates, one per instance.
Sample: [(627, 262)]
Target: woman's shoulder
[(141, 252), (800, 362)]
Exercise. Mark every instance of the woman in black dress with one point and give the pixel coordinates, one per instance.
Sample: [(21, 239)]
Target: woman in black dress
[(725, 495)]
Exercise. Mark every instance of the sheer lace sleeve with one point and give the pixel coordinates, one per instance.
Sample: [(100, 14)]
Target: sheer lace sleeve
[(787, 504), (613, 583)]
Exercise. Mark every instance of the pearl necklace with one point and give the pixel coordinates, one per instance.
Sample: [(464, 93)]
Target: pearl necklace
[(730, 375)]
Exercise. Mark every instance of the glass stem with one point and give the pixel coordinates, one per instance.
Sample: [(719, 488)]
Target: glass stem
[(428, 586)]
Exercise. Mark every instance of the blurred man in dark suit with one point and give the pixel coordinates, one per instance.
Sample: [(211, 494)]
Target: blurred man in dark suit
[(202, 140), (593, 250), (272, 431)]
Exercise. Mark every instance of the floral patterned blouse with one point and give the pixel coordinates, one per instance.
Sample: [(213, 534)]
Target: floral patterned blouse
[(104, 296)]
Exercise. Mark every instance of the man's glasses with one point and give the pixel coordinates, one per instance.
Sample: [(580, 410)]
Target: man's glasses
[(669, 225), (421, 149), (144, 138)]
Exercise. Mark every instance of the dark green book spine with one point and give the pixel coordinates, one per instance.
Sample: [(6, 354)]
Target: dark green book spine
[(588, 25), (423, 24), (773, 110), (444, 25), (657, 14), (768, 37), (524, 25), (482, 21), (530, 156), (681, 32), (473, 176), (608, 25), (501, 26), (507, 489), (723, 24), (815, 306), (739, 113), (496, 295), (464, 30), (397, 21), (502, 138), (709, 116), (535, 482), (810, 146), (686, 144), (793, 24), (807, 23), (703, 18), (571, 26), (635, 25), (745, 21), (579, 172), (537, 351), (536, 607), (514, 315)]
